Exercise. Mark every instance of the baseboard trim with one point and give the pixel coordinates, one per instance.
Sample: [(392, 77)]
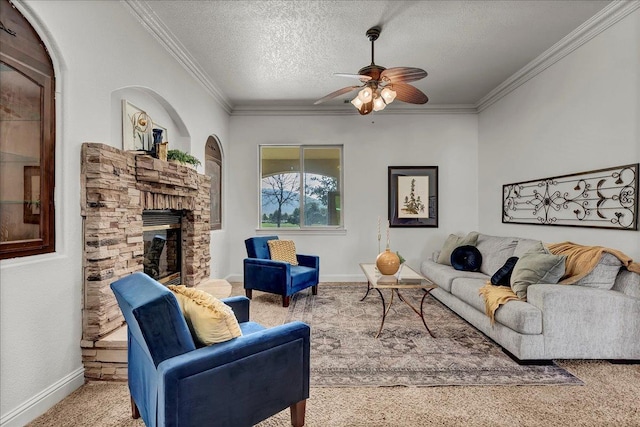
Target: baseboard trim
[(43, 401)]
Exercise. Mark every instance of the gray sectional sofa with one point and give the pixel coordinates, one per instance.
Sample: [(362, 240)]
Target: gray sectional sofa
[(591, 319)]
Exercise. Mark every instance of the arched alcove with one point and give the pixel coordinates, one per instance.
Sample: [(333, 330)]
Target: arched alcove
[(157, 107), (213, 157)]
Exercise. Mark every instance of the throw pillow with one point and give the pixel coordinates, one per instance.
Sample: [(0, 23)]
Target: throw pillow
[(453, 242), (283, 250), (604, 274), (209, 319), (536, 266), (466, 258), (502, 277), (495, 251)]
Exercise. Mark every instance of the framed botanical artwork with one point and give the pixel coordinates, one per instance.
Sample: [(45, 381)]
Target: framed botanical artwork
[(413, 196)]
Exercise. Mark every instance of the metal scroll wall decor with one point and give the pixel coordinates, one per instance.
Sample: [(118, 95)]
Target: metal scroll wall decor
[(604, 198)]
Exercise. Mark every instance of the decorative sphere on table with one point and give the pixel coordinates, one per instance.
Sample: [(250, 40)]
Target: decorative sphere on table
[(388, 262)]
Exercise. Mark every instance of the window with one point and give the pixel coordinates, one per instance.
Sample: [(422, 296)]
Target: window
[(213, 169), (27, 129), (301, 186)]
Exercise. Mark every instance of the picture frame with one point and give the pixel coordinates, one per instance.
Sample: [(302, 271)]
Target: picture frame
[(31, 209), (413, 196), (137, 128)]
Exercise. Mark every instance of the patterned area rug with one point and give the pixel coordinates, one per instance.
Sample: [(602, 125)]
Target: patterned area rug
[(344, 351)]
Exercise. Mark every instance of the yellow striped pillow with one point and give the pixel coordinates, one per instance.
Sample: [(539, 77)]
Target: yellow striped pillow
[(211, 320), (283, 250)]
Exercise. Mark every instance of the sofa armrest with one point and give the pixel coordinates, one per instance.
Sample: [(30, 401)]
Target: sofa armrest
[(231, 379), (240, 307), (266, 275), (577, 319)]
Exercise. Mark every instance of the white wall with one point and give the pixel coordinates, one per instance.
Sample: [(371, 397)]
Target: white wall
[(98, 48), (371, 144), (581, 114)]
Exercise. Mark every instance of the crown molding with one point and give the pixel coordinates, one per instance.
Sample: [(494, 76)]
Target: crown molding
[(170, 42), (602, 20), (309, 110)]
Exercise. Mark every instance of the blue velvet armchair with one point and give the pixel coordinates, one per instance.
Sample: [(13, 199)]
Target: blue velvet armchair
[(235, 383), (277, 277)]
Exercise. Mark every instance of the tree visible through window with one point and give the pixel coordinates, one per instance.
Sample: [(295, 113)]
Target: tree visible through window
[(301, 186)]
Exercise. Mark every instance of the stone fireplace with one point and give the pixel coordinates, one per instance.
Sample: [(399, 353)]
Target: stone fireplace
[(117, 187)]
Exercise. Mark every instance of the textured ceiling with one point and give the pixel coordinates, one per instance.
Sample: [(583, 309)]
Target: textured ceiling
[(284, 53)]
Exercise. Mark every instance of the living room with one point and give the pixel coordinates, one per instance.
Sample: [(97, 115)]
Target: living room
[(575, 110)]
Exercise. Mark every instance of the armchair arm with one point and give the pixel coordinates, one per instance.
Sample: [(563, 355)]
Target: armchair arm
[(240, 307), (267, 275), (309, 261), (227, 382)]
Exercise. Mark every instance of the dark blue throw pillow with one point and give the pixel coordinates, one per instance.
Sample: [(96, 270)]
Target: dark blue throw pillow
[(502, 277), (466, 258)]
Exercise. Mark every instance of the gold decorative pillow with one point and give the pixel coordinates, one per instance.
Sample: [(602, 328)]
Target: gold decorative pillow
[(209, 319), (283, 250)]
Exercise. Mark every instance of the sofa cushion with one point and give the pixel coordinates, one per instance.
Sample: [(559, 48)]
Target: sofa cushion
[(453, 242), (628, 283), (210, 320), (604, 274), (516, 315), (524, 245), (536, 266), (466, 258), (443, 275), (502, 277), (495, 252)]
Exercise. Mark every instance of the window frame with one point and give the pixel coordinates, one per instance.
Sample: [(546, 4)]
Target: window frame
[(302, 228), (36, 64)]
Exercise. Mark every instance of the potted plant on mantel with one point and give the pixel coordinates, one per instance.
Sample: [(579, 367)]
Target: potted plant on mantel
[(183, 158)]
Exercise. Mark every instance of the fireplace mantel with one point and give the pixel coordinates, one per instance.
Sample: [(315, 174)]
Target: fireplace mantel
[(116, 187)]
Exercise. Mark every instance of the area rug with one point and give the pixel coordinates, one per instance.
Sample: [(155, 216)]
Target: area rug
[(344, 352)]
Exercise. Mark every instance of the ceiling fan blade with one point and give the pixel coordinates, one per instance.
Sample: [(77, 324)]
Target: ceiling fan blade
[(355, 76), (403, 74), (336, 93), (410, 94)]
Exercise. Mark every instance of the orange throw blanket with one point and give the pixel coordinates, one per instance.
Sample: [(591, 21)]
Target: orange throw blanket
[(494, 297), (581, 260)]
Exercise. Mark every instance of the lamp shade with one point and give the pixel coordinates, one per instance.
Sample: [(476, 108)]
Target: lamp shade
[(357, 102), (378, 104), (365, 94), (388, 95)]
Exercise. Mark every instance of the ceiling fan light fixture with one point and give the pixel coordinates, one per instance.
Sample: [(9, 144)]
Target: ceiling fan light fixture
[(357, 102), (379, 104), (365, 95), (388, 95)]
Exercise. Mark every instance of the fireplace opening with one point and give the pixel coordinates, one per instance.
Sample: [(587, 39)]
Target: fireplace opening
[(162, 237)]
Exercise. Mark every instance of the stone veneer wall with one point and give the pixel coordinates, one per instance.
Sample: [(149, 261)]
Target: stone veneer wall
[(116, 186)]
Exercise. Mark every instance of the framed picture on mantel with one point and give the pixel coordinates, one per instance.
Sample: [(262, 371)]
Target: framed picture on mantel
[(413, 196)]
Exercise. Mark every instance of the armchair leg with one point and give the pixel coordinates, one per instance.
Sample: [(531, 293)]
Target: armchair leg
[(314, 290), (297, 413), (248, 293), (135, 413), (285, 300)]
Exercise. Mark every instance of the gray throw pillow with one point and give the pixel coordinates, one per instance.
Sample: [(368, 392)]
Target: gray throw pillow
[(495, 252), (536, 266), (604, 274), (453, 242)]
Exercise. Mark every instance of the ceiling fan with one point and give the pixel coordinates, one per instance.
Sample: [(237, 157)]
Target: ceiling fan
[(380, 86)]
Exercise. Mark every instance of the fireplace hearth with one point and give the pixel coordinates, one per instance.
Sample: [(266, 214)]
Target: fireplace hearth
[(119, 191)]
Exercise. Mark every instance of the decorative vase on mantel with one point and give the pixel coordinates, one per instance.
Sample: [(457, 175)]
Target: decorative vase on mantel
[(388, 262)]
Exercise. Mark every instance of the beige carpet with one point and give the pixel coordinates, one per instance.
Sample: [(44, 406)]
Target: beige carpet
[(609, 397)]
